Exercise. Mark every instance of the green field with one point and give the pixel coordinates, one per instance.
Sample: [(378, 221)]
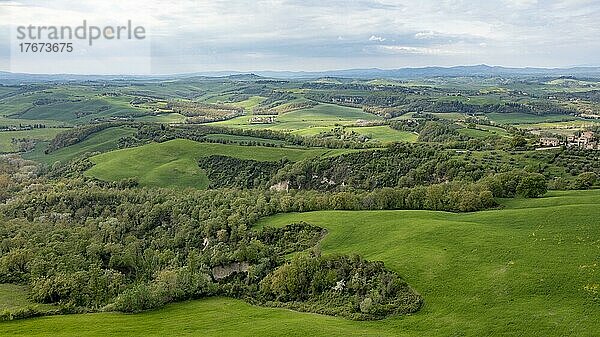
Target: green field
[(249, 103), (385, 134), (576, 124), (522, 118), (72, 104), (322, 115), (6, 137), (99, 142), (381, 133), (322, 118), (529, 269), (163, 118), (87, 109), (175, 163), (238, 139), (208, 317), (6, 121)]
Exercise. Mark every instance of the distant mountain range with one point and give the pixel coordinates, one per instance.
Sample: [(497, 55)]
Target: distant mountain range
[(371, 73), (477, 70)]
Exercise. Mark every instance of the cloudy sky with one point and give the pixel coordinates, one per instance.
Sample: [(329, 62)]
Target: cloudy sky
[(188, 36)]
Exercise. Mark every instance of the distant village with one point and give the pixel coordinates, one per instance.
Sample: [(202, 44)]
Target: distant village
[(584, 140)]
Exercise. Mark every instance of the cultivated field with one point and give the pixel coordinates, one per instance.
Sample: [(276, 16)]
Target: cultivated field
[(322, 115)]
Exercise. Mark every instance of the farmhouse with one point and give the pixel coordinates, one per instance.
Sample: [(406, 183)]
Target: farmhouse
[(347, 99), (363, 122), (549, 141)]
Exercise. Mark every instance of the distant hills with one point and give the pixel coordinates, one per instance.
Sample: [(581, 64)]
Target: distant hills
[(371, 73), (477, 70)]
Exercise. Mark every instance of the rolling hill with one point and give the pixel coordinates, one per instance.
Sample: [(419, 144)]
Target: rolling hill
[(175, 162)]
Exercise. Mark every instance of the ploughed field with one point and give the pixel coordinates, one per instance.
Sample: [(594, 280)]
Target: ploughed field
[(528, 269)]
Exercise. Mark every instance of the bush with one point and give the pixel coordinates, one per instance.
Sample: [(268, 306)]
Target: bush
[(136, 299), (27, 312), (168, 286), (511, 184), (585, 180), (532, 186)]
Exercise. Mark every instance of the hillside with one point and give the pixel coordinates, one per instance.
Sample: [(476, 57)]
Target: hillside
[(175, 162), (494, 273)]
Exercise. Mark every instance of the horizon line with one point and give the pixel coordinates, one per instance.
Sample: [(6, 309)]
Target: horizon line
[(250, 72)]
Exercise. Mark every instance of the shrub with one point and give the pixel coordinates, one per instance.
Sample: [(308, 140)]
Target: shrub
[(137, 298), (511, 184), (585, 180), (532, 186)]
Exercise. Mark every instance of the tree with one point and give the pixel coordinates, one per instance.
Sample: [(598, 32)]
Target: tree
[(585, 180), (532, 186), (518, 142)]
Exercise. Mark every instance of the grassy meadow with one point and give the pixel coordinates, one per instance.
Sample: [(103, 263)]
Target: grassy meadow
[(527, 269), (241, 139), (322, 115), (385, 134), (98, 142), (522, 118), (44, 134)]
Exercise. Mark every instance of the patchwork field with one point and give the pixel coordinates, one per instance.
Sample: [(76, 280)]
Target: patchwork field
[(175, 163), (99, 142), (8, 145), (322, 115), (529, 269), (322, 118)]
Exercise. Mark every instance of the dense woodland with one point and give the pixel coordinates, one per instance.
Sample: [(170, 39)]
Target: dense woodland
[(90, 245)]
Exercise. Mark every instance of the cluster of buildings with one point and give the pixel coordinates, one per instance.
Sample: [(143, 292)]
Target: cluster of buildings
[(263, 120), (584, 140)]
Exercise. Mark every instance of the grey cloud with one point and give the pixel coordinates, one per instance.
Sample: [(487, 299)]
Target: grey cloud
[(311, 34)]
